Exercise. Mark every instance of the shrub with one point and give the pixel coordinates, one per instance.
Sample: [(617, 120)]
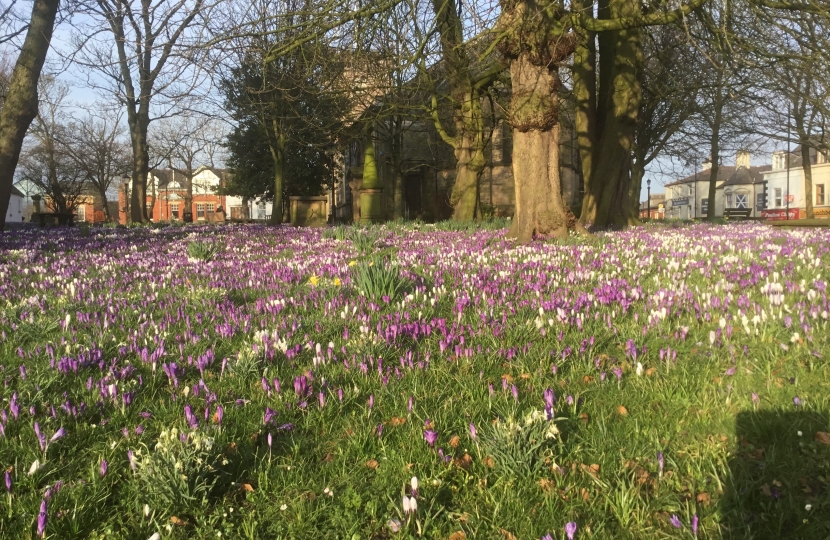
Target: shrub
[(378, 278), (203, 251), (521, 447)]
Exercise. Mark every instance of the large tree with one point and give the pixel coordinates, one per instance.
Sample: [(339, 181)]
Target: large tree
[(20, 103), (149, 56)]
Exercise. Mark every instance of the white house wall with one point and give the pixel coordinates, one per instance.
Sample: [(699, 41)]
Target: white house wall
[(14, 214), (778, 179)]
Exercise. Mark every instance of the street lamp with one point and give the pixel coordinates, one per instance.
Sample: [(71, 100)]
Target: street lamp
[(648, 186)]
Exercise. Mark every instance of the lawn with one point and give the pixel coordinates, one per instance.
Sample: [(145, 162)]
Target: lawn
[(415, 381)]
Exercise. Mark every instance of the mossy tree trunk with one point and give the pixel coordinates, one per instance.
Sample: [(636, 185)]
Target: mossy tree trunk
[(714, 155), (276, 145), (468, 139), (20, 105), (370, 191), (606, 116)]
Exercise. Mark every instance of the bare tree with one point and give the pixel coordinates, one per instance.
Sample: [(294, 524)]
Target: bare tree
[(20, 104), (95, 143), (46, 163), (149, 56)]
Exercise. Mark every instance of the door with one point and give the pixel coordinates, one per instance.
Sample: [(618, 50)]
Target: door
[(413, 193)]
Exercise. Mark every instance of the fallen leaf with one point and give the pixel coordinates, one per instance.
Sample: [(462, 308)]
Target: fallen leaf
[(176, 521), (458, 535), (651, 371), (507, 534), (248, 487), (525, 376), (622, 411), (545, 484), (372, 464), (463, 462), (766, 490), (507, 377), (587, 379), (254, 437), (585, 495), (592, 469), (489, 462), (232, 448), (703, 498), (823, 437), (397, 421), (454, 440), (583, 417)]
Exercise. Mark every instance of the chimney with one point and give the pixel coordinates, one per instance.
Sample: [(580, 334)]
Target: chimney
[(742, 159)]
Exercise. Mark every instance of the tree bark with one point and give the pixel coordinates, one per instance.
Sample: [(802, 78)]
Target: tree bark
[(714, 151), (277, 147), (534, 107), (20, 105), (807, 167), (610, 199), (141, 165)]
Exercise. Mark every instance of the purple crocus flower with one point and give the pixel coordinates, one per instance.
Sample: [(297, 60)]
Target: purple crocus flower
[(41, 437), (60, 433), (322, 398), (695, 522), (473, 431), (409, 405), (192, 421), (515, 392), (547, 537), (8, 482), (131, 459), (797, 401), (675, 521), (755, 398), (570, 529), (270, 440), (371, 401), (220, 414), (380, 430), (430, 436), (660, 462), (104, 467), (42, 516)]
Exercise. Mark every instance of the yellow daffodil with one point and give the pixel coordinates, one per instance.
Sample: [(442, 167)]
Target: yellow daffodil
[(337, 281), (313, 280), (352, 263)]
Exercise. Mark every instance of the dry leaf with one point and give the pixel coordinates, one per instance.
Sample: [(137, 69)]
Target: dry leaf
[(587, 379), (585, 494), (254, 437), (507, 534), (507, 377), (525, 376), (176, 521), (372, 464), (823, 437), (766, 490), (328, 458), (545, 484), (232, 448), (592, 469), (248, 487), (397, 421), (651, 371), (703, 498), (458, 535), (583, 417), (454, 440), (489, 462), (622, 411), (463, 462)]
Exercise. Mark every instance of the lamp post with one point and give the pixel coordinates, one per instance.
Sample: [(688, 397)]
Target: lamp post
[(648, 192), (788, 162)]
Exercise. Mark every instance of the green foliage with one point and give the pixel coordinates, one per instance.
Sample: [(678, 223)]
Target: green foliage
[(338, 233), (378, 278), (521, 446), (203, 251), (363, 239)]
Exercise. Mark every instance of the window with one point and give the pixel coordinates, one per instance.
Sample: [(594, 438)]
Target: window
[(174, 211), (741, 201), (210, 207), (778, 197), (80, 213), (704, 205), (200, 211), (260, 210), (820, 195), (729, 200)]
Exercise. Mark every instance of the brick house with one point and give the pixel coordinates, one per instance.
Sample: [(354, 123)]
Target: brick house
[(167, 190)]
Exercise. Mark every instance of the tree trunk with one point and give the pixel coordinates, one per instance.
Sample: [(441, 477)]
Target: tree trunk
[(277, 147), (534, 107), (807, 167), (141, 168), (470, 163), (20, 105), (606, 118), (103, 194), (714, 150)]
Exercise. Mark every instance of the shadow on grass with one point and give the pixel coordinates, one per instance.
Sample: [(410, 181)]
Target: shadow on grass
[(779, 485)]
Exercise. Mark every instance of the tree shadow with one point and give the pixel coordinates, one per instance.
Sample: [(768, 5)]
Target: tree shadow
[(779, 485)]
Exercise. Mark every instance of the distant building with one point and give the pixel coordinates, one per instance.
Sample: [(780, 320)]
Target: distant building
[(167, 190), (655, 208), (740, 186), (15, 214), (783, 193)]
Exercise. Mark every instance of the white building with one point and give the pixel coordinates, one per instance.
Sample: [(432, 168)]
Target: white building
[(15, 212), (783, 191), (738, 186)]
